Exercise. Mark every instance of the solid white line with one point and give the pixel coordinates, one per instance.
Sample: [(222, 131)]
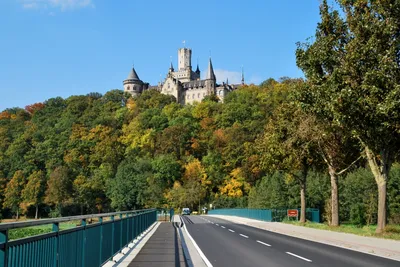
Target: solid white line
[(206, 261), (231, 230), (265, 244), (245, 236), (222, 226), (300, 257)]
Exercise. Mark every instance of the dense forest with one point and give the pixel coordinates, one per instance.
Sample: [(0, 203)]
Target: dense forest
[(329, 141)]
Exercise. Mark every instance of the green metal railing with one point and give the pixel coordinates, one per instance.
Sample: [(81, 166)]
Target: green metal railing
[(84, 245), (269, 215)]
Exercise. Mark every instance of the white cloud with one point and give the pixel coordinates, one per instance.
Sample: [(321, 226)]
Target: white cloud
[(234, 77), (221, 75), (63, 5), (30, 5)]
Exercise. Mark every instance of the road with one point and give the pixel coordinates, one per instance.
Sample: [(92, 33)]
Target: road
[(228, 244)]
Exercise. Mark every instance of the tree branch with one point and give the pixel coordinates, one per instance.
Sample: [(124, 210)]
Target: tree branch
[(348, 167)]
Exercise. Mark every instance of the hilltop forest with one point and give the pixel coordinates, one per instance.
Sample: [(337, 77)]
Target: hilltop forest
[(330, 141)]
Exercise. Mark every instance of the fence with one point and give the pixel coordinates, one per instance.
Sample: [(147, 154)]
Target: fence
[(84, 245), (269, 215)]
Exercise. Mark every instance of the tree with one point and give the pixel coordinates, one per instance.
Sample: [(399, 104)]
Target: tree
[(34, 190), (13, 192), (59, 187), (355, 73), (286, 146), (195, 183)]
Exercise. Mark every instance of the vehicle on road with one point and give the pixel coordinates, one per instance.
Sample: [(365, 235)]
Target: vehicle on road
[(186, 211)]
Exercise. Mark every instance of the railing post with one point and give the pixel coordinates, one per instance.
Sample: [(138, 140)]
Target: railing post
[(101, 239), (120, 232), (3, 251), (56, 228), (112, 236), (83, 223), (127, 229)]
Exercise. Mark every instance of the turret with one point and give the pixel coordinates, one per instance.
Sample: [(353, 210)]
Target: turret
[(210, 71), (133, 84), (210, 79)]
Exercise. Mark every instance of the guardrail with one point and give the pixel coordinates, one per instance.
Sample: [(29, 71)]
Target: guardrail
[(84, 245), (269, 215)]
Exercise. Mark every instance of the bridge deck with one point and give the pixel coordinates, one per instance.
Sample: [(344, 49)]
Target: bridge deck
[(162, 249)]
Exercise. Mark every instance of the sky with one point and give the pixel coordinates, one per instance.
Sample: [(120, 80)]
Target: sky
[(51, 48)]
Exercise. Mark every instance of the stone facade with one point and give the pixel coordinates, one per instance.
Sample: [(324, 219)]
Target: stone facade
[(184, 83)]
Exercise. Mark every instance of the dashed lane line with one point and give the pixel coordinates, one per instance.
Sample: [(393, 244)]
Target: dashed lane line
[(265, 244), (245, 236), (297, 256), (217, 224), (230, 230), (222, 226)]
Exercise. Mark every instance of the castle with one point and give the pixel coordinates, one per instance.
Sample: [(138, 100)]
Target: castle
[(184, 83)]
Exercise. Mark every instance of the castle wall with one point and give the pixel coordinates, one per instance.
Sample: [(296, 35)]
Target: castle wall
[(194, 95)]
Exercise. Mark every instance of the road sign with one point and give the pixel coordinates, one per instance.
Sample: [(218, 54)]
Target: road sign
[(292, 213)]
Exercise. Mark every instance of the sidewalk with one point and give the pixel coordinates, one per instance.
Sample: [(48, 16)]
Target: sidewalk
[(162, 249), (375, 246)]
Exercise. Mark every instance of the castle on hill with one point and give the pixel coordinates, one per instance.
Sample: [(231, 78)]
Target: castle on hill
[(183, 83)]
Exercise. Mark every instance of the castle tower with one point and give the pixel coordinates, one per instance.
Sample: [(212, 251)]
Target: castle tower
[(210, 79), (133, 84), (184, 59)]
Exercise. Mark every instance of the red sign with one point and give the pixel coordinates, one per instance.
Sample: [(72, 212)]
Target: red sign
[(292, 213)]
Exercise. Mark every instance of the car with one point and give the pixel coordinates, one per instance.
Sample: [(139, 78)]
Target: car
[(185, 211)]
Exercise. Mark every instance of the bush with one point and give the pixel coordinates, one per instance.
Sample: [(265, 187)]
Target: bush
[(357, 214)]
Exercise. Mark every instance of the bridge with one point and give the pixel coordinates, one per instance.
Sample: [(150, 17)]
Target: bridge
[(151, 237)]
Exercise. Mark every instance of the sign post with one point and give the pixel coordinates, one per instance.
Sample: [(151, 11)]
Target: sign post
[(293, 213)]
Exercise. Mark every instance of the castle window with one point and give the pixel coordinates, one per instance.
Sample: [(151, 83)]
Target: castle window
[(128, 88), (188, 96), (194, 96), (198, 95)]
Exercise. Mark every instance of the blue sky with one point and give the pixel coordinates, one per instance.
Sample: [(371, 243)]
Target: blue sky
[(52, 48)]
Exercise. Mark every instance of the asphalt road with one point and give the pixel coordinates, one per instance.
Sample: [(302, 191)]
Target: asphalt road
[(228, 244)]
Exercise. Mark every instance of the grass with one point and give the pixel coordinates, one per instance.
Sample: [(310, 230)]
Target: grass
[(391, 231), (36, 230)]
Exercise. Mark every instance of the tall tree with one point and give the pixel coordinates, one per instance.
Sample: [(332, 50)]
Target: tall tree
[(13, 192), (59, 187), (355, 73), (286, 146), (33, 192)]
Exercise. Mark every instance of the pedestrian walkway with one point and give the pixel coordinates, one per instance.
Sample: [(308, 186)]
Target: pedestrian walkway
[(371, 245), (162, 249)]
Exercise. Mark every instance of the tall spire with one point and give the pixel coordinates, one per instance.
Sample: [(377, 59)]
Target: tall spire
[(210, 71), (171, 68), (133, 75), (242, 76)]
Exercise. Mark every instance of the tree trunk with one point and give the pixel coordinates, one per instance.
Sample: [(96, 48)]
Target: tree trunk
[(380, 167), (36, 213), (334, 196), (303, 201), (17, 214)]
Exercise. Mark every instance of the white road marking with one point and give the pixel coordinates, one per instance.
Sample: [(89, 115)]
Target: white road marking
[(231, 230), (265, 244), (222, 226), (217, 224), (300, 257), (245, 236), (212, 222), (206, 261)]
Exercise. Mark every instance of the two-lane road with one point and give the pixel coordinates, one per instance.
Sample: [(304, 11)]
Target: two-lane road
[(228, 244)]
